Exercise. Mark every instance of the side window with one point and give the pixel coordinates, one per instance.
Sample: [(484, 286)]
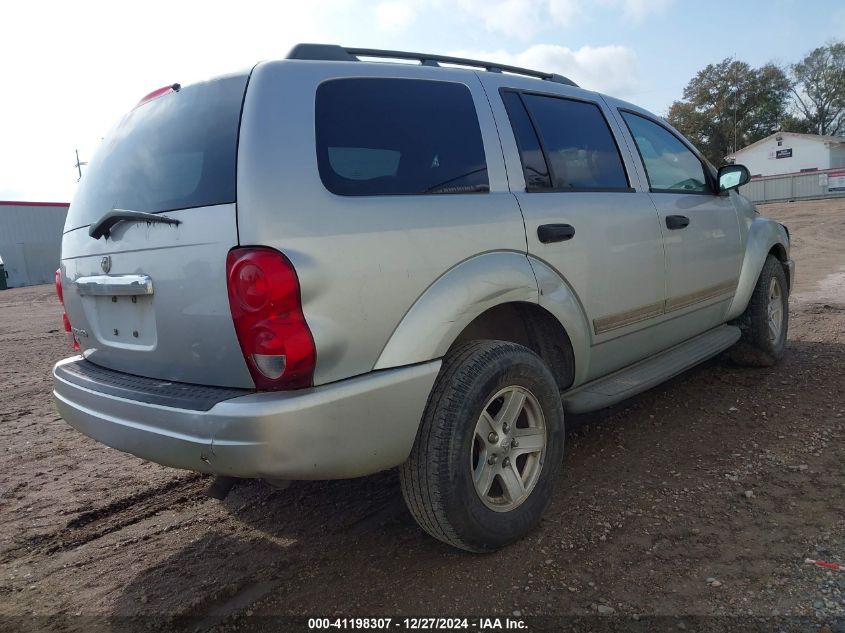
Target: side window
[(578, 145), (669, 164), (398, 136), (533, 162)]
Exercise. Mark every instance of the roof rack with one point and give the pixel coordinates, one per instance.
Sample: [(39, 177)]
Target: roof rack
[(333, 52)]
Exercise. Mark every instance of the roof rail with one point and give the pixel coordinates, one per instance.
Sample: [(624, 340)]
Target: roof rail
[(333, 52)]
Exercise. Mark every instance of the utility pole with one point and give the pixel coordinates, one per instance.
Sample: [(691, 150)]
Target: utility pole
[(736, 96), (79, 166), (734, 119)]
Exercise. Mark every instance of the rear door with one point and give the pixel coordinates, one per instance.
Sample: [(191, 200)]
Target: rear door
[(701, 228), (584, 218), (150, 298)]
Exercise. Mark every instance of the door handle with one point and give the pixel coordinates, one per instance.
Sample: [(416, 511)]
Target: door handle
[(676, 222), (547, 233)]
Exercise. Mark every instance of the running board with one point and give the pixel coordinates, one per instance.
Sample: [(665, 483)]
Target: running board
[(650, 372)]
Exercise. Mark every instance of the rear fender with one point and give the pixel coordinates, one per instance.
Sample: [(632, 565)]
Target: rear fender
[(449, 304), (472, 287), (560, 299)]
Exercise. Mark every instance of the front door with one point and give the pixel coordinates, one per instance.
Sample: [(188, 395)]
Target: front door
[(700, 228)]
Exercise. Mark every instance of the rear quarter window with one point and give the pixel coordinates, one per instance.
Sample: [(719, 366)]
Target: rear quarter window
[(380, 136)]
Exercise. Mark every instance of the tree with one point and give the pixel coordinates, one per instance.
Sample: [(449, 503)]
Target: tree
[(801, 125), (729, 105), (818, 89)]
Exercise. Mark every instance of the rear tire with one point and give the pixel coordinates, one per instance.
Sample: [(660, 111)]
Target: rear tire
[(493, 423), (765, 322)]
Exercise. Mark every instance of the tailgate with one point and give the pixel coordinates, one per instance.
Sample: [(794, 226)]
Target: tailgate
[(152, 300), (148, 294)]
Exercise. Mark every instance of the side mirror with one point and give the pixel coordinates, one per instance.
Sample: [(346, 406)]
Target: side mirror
[(733, 176)]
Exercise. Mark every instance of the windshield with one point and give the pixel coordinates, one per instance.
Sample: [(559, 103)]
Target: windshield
[(174, 152)]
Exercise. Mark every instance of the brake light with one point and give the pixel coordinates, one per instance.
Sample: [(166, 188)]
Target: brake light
[(59, 290), (267, 313), (159, 92), (74, 343)]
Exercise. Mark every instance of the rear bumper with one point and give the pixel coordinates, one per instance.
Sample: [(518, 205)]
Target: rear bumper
[(346, 429)]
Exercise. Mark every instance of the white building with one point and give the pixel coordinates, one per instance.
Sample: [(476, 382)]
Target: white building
[(31, 240), (791, 153)]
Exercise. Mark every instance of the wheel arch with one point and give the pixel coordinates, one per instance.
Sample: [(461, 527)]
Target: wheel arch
[(500, 295), (529, 325), (778, 250), (765, 237)]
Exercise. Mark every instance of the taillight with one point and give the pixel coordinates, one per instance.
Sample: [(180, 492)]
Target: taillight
[(267, 312), (71, 337), (59, 290)]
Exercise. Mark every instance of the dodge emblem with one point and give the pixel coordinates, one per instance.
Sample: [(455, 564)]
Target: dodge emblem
[(105, 263)]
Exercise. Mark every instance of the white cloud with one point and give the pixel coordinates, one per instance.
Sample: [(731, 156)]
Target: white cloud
[(610, 69), (639, 10), (515, 18), (523, 19), (394, 15), (565, 12)]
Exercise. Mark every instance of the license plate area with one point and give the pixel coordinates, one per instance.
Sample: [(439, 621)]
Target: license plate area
[(123, 321)]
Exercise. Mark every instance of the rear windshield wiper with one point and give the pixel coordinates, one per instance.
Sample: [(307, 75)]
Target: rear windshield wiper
[(103, 226)]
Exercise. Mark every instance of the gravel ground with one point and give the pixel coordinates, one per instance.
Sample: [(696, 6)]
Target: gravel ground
[(698, 499)]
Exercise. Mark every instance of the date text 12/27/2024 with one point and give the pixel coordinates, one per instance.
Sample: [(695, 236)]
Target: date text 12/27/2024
[(418, 624)]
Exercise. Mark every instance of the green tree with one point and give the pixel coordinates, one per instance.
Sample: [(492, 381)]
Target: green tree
[(818, 89), (729, 105), (798, 124)]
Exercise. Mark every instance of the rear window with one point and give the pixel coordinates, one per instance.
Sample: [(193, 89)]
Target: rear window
[(174, 152), (534, 166), (579, 148), (398, 136)]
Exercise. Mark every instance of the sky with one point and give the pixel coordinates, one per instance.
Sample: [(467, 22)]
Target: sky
[(70, 70)]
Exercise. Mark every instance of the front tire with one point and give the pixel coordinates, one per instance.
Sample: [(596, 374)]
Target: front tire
[(765, 322), (489, 447)]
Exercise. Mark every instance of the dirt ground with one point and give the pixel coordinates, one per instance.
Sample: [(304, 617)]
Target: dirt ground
[(701, 497)]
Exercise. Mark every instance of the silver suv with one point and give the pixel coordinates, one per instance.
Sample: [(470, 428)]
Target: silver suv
[(325, 267)]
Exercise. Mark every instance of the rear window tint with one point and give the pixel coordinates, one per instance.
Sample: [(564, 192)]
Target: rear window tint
[(398, 136), (579, 147), (174, 152), (534, 166)]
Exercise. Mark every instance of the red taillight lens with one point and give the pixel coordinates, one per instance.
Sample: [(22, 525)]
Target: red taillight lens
[(59, 286), (158, 92), (74, 343), (267, 312)]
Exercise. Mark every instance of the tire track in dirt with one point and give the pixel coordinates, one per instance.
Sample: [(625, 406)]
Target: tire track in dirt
[(267, 556), (117, 515)]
